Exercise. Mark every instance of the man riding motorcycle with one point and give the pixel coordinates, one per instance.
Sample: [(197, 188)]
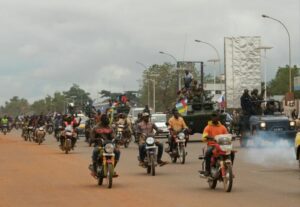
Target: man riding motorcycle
[(102, 131), (4, 122), (145, 128), (213, 128), (57, 123), (70, 121), (176, 124)]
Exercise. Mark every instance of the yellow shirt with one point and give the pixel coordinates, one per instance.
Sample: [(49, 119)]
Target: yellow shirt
[(177, 124)]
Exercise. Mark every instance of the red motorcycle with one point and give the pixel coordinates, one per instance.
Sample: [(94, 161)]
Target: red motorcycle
[(221, 162)]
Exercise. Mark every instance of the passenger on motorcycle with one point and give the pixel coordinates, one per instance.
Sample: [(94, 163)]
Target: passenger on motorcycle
[(213, 128), (145, 128), (176, 124), (70, 121), (102, 131)]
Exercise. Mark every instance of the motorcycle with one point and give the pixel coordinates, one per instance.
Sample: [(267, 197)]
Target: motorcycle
[(221, 163), (29, 135), (106, 162), (58, 133), (49, 128), (5, 129), (68, 136), (150, 161), (123, 135), (178, 149), (40, 135)]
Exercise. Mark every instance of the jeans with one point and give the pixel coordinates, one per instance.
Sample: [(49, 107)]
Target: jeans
[(208, 155), (142, 151)]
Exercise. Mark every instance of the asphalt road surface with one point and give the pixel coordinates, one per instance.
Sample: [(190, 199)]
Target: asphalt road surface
[(32, 175)]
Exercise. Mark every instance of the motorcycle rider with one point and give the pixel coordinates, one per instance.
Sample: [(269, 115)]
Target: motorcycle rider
[(122, 120), (57, 123), (70, 121), (104, 131), (145, 128), (41, 122), (213, 128), (176, 124), (4, 122)]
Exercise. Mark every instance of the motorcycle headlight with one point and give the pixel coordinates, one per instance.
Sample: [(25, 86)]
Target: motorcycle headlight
[(150, 141), (263, 125), (109, 148), (181, 135), (292, 123), (41, 128)]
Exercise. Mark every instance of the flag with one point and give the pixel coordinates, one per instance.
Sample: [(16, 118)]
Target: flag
[(182, 106), (221, 101)]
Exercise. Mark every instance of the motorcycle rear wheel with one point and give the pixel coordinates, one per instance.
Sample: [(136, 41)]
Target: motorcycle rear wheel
[(228, 180), (110, 174)]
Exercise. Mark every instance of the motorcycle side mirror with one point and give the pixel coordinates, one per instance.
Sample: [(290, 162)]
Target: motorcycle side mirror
[(167, 124)]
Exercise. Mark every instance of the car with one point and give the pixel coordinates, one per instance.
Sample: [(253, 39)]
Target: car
[(133, 113), (297, 147), (160, 119), (269, 125)]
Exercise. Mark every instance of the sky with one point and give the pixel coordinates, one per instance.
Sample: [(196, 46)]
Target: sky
[(46, 46)]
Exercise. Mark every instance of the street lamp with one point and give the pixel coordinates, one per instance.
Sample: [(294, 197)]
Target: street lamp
[(176, 61), (148, 92), (215, 49), (265, 48), (290, 55), (214, 61)]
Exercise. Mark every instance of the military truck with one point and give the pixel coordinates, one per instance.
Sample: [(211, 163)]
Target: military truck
[(268, 124)]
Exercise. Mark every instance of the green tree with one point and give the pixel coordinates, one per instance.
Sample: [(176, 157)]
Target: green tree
[(78, 95), (15, 106), (280, 84)]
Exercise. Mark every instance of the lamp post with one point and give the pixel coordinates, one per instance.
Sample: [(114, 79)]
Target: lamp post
[(148, 92), (214, 61), (176, 61), (290, 55), (265, 48), (215, 49)]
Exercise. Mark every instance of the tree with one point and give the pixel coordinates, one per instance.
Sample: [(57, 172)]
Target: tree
[(78, 96), (15, 106), (280, 84)]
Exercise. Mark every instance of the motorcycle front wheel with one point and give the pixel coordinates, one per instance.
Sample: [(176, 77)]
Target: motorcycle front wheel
[(228, 179), (152, 162), (110, 174), (182, 154)]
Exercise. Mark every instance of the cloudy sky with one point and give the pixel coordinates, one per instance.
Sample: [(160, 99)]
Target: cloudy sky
[(46, 46)]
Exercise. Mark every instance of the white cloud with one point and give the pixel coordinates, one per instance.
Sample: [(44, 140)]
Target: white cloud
[(49, 45)]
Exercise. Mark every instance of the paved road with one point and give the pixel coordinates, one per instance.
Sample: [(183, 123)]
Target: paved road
[(32, 175)]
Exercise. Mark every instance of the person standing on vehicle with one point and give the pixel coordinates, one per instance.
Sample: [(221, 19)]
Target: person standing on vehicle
[(213, 128), (294, 114), (176, 124), (102, 131), (187, 79), (146, 128)]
